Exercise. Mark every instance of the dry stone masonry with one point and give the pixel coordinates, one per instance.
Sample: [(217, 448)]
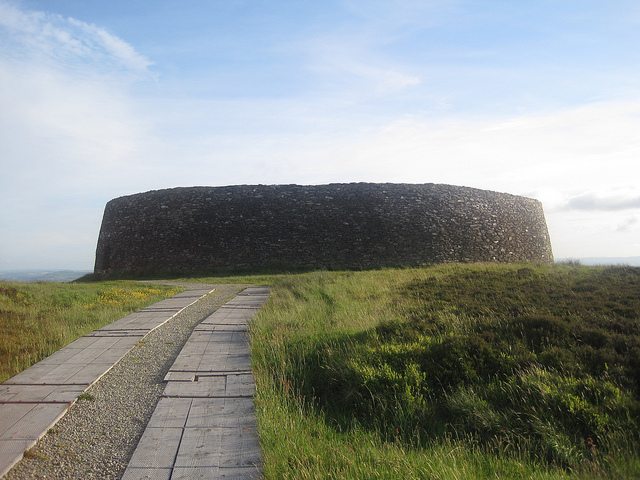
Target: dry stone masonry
[(336, 226)]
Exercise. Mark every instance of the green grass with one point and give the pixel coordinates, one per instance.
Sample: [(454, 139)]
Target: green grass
[(453, 371), (36, 319), (85, 396), (445, 372)]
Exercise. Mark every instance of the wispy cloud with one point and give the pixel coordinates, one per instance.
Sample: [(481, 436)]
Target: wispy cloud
[(628, 224), (392, 15), (353, 63), (65, 40), (354, 59), (113, 46)]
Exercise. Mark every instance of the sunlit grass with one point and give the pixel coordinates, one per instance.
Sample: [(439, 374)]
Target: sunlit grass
[(443, 372), (36, 319), (342, 394)]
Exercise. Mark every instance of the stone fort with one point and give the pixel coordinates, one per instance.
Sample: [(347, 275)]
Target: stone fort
[(200, 230)]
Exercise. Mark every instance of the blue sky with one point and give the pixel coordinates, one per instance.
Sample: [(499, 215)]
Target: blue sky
[(101, 99)]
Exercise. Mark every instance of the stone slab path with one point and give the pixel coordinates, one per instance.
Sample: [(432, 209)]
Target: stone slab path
[(35, 399), (204, 426)]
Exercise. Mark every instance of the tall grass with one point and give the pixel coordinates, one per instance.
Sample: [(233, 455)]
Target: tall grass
[(388, 374), (36, 319)]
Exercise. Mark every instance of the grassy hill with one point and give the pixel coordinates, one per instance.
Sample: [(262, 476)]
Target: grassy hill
[(445, 372), (453, 371)]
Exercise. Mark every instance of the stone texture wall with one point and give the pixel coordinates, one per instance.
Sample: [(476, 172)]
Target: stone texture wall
[(286, 227)]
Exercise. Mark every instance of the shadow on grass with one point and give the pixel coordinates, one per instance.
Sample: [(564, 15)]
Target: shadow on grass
[(556, 378), (418, 393)]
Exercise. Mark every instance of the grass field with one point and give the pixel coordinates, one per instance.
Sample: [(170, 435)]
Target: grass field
[(445, 372), (36, 319), (453, 371)]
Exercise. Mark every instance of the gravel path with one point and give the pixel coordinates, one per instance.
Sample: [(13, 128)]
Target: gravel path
[(99, 433)]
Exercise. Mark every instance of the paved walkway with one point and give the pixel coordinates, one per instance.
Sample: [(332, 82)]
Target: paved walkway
[(204, 426), (35, 399)]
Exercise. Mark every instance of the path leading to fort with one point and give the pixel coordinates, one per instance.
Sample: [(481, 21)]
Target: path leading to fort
[(98, 435), (204, 425), (35, 399)]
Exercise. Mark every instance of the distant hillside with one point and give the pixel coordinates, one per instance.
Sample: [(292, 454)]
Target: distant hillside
[(42, 275)]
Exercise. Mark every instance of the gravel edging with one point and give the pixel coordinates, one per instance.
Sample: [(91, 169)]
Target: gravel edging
[(99, 433)]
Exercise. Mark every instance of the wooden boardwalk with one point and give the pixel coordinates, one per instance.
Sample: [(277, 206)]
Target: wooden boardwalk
[(204, 426), (35, 399)]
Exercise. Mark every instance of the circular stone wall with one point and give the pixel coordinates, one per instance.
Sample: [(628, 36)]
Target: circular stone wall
[(287, 227)]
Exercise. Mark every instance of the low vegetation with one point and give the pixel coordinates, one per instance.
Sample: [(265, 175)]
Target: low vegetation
[(451, 371), (445, 372), (36, 319)]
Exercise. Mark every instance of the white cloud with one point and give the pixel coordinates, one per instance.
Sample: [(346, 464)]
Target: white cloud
[(568, 151), (610, 201), (113, 46), (351, 62), (67, 145), (350, 65), (63, 127), (628, 224), (70, 134), (65, 40)]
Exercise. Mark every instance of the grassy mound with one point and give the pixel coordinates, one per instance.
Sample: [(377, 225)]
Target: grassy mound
[(539, 365)]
